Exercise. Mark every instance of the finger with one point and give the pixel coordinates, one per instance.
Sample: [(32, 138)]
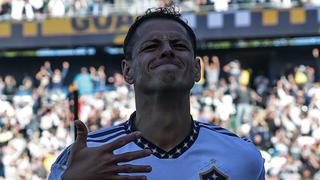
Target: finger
[(128, 168), (121, 141), (129, 156), (82, 133), (80, 142), (124, 177)]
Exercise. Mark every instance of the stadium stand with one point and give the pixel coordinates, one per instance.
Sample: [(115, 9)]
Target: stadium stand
[(40, 9), (281, 119)]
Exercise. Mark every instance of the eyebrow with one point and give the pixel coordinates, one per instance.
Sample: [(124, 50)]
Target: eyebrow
[(181, 40), (150, 40), (157, 39), (145, 43)]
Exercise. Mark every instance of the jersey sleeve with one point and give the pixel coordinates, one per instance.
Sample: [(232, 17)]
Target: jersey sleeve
[(262, 172), (60, 165), (261, 175)]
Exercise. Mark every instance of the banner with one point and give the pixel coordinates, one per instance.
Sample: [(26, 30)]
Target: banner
[(111, 30)]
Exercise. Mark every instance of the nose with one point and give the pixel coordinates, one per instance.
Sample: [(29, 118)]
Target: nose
[(167, 50)]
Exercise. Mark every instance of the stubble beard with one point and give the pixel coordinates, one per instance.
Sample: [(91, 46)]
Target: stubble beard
[(169, 77), (168, 81), (171, 81)]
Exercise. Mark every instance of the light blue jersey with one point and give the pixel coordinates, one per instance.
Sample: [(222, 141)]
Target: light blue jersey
[(208, 153)]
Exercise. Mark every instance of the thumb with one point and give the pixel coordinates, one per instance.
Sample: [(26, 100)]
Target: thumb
[(81, 141), (82, 133)]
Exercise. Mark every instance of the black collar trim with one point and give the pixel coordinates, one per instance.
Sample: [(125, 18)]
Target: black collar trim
[(157, 151)]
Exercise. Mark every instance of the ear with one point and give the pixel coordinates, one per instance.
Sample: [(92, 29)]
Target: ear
[(197, 69), (127, 71)]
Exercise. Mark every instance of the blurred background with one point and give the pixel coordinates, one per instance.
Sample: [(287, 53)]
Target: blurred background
[(260, 76)]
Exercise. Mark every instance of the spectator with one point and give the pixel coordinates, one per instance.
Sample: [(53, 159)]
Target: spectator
[(84, 82), (98, 78), (37, 6), (56, 8), (10, 86), (212, 69), (220, 5), (43, 76), (4, 7), (243, 101), (26, 88), (20, 6), (261, 84), (80, 7), (57, 78)]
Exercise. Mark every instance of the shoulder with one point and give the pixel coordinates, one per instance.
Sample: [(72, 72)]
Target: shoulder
[(211, 128), (227, 138)]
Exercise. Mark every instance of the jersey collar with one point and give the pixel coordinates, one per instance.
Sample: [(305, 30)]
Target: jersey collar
[(157, 151)]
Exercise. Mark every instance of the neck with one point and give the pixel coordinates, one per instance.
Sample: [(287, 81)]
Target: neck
[(164, 118)]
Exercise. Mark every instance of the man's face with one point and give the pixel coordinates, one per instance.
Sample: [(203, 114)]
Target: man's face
[(163, 57)]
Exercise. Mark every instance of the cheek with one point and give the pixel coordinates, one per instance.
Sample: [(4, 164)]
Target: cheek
[(140, 69), (145, 60), (189, 63)]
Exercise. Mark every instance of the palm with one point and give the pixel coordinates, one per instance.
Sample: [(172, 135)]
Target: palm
[(100, 162)]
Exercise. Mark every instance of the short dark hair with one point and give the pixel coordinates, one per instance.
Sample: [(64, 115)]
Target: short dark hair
[(170, 12)]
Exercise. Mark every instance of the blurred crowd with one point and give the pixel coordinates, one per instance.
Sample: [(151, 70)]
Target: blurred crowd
[(280, 117), (40, 9), (35, 115)]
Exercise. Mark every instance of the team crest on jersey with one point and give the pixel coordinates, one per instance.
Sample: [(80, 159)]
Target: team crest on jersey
[(213, 174)]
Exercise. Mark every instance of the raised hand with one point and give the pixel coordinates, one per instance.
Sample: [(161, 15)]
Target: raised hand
[(97, 163)]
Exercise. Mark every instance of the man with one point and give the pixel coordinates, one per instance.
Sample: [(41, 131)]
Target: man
[(162, 65)]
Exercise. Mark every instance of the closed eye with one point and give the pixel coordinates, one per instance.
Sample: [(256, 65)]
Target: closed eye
[(150, 47), (180, 46)]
